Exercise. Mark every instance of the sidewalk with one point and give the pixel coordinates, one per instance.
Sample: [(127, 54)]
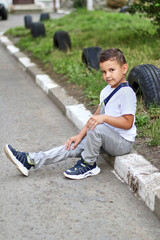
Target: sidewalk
[(142, 177)]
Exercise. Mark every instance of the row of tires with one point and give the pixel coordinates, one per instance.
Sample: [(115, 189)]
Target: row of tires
[(61, 39), (144, 79), (37, 28), (28, 19)]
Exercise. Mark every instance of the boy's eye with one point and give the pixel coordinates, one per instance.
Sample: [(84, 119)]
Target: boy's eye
[(111, 70)]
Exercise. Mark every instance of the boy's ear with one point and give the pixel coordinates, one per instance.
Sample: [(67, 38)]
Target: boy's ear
[(125, 68)]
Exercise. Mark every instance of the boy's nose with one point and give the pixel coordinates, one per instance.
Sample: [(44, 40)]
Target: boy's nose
[(108, 74)]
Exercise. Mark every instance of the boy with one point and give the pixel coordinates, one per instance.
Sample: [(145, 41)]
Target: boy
[(111, 128)]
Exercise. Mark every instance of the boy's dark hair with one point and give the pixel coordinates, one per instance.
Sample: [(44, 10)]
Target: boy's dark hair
[(112, 54)]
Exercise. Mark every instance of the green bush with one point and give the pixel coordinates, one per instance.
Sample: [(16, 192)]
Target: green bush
[(151, 9)]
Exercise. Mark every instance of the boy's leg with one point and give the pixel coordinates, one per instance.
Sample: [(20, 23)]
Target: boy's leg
[(102, 137), (105, 137), (56, 154), (19, 159), (24, 161)]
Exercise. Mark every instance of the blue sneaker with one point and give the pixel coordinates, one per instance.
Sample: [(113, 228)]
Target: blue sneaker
[(82, 170), (20, 159)]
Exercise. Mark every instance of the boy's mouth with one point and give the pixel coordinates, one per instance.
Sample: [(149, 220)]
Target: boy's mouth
[(109, 80)]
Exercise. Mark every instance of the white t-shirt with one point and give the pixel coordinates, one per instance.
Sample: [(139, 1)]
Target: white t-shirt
[(121, 103)]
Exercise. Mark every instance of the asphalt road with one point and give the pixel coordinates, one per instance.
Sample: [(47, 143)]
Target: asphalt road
[(46, 205)]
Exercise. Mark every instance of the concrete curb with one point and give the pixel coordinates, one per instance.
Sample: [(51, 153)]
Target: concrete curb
[(138, 173)]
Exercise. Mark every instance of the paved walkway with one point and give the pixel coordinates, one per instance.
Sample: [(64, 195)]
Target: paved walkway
[(16, 20), (46, 205)]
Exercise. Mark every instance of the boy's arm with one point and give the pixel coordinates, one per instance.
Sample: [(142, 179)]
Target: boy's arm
[(77, 139), (124, 122), (97, 112)]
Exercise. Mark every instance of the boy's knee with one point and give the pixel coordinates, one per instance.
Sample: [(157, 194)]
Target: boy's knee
[(96, 131)]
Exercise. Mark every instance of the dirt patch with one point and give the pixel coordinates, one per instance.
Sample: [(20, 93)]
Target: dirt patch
[(151, 153)]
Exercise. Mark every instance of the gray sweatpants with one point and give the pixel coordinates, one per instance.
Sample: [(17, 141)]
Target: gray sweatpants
[(102, 139)]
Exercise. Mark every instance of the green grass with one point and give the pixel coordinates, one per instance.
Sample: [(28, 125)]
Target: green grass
[(135, 36)]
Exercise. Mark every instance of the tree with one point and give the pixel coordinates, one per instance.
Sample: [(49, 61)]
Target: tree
[(151, 9), (83, 3)]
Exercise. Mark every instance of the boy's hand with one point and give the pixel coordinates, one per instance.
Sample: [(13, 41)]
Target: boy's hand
[(94, 121), (76, 139)]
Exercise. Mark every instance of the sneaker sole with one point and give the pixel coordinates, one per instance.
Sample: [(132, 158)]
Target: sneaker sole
[(90, 173), (13, 159)]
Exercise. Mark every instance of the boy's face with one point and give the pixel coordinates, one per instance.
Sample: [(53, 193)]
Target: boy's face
[(113, 72)]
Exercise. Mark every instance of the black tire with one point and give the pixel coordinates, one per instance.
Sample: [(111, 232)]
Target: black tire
[(38, 29), (61, 40), (28, 21), (90, 57), (5, 14), (145, 80), (44, 16)]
